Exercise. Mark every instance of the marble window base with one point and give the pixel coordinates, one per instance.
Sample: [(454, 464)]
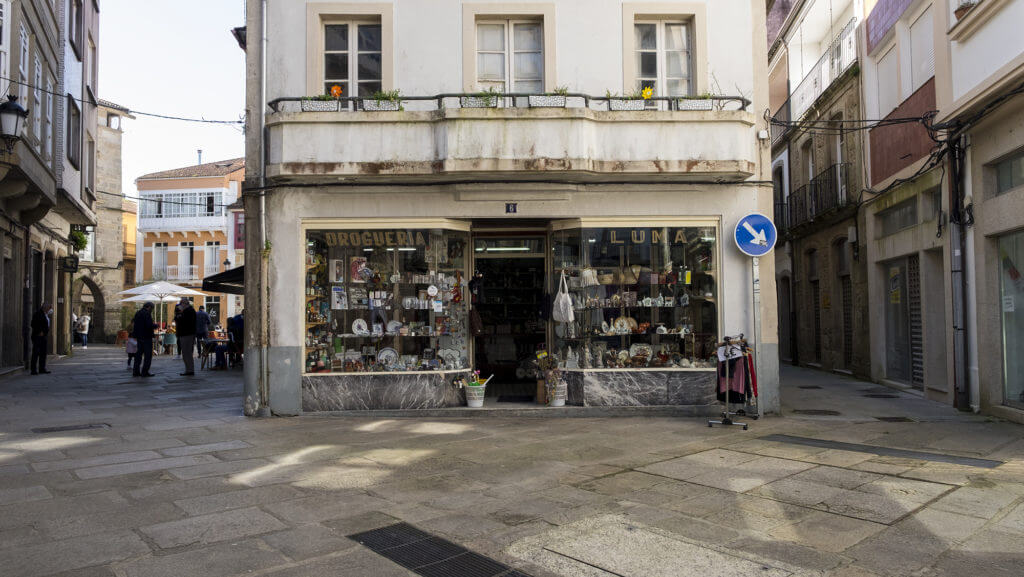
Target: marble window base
[(432, 390)]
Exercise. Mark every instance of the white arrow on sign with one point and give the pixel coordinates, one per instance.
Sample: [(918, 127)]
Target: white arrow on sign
[(759, 237)]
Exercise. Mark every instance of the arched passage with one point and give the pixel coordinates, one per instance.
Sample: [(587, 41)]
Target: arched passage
[(87, 298)]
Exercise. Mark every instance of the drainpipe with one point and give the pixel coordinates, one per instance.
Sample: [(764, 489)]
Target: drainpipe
[(971, 292), (264, 251)]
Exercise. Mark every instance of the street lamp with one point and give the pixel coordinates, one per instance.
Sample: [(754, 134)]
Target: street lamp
[(11, 116), (227, 263)]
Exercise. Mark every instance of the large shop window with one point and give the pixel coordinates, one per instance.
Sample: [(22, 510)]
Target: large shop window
[(643, 296), (384, 300)]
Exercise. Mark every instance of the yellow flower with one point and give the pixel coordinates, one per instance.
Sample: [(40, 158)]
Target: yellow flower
[(647, 93)]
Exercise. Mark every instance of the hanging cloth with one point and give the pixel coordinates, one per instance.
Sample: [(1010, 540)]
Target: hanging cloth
[(751, 372), (735, 384)]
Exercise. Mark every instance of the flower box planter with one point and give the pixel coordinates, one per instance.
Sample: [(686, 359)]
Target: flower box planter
[(478, 101), (381, 105), (547, 101), (310, 105), (695, 104), (626, 104)]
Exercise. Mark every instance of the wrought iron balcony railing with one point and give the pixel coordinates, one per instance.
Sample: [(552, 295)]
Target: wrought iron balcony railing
[(827, 191)]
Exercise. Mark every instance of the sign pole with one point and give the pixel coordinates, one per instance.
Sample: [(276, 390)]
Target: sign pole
[(756, 296)]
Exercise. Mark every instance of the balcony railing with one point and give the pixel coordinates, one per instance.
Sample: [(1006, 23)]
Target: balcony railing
[(494, 136), (827, 191), (160, 273), (182, 272), (781, 217), (210, 270), (780, 122), (840, 55)]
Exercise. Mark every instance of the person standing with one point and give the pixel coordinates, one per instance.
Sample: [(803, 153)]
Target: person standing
[(40, 329), (187, 336), (74, 323), (83, 329), (143, 333), (202, 329)]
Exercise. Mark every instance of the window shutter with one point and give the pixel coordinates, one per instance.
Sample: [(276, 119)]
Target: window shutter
[(922, 50)]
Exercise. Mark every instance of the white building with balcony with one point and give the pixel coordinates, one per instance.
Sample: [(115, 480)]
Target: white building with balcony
[(426, 175), (185, 231)]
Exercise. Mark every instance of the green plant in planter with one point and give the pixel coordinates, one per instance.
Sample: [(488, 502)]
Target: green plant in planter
[(489, 96), (388, 96), (319, 97), (558, 91), (78, 240)]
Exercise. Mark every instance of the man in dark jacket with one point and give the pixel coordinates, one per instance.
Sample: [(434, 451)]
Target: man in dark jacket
[(40, 329), (187, 336), (143, 333)]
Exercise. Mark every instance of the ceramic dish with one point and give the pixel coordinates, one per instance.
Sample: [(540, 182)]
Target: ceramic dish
[(394, 326), (641, 349), (408, 303), (604, 327), (449, 356), (387, 356), (359, 327), (621, 324)]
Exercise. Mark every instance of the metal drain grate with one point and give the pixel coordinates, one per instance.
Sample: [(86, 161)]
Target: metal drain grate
[(896, 419), (428, 555), (71, 428), (808, 387), (881, 396), (822, 412)]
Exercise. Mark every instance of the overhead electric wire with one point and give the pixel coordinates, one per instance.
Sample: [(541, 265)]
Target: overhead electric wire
[(173, 202), (151, 114)]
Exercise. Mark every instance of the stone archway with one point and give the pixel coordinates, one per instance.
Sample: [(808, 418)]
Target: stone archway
[(97, 308)]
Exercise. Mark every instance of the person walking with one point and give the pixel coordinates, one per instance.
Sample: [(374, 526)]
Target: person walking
[(202, 329), (187, 336), (143, 333), (83, 329), (131, 344), (40, 329)]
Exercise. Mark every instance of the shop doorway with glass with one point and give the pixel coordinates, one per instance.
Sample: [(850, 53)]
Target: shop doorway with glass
[(508, 288)]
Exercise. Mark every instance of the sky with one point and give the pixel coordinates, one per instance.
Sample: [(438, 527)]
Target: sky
[(177, 59)]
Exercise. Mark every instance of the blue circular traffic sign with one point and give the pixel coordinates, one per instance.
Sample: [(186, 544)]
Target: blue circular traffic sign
[(755, 234)]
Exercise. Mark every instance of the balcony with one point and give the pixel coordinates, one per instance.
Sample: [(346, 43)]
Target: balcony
[(150, 223), (160, 274), (840, 55), (210, 270), (780, 123), (182, 272), (827, 192), (444, 138)]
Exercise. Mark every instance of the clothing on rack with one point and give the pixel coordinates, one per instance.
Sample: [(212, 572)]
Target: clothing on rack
[(736, 383)]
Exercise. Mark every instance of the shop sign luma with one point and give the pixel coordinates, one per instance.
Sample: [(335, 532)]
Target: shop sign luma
[(647, 235)]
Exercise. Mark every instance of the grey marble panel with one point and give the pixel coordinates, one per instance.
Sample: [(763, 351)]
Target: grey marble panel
[(691, 388), (353, 392), (624, 388), (574, 388)]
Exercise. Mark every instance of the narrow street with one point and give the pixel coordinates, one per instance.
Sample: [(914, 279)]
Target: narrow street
[(172, 481)]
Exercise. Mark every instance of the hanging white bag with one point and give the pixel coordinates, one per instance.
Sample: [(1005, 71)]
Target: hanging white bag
[(562, 310)]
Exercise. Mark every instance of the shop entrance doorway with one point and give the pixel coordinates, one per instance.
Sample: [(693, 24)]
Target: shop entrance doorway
[(509, 283)]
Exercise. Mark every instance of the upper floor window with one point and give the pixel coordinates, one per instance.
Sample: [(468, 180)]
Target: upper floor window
[(37, 103), (922, 50), (77, 23), (510, 56), (888, 82), (663, 57), (114, 121), (352, 57), (49, 119), (1010, 173), (902, 215), (5, 48), (74, 133)]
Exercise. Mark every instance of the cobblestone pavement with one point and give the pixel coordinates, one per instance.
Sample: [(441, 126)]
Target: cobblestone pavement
[(176, 483)]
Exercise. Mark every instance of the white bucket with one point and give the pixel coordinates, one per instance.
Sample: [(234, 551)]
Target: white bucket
[(558, 394), (475, 396)]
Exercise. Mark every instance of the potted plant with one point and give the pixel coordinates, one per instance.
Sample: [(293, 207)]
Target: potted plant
[(557, 389), (554, 99), (485, 99), (384, 100), (700, 102), (635, 100), (78, 240), (321, 103), (963, 8)]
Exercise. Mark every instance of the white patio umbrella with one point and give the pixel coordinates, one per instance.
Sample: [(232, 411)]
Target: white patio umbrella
[(160, 291)]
